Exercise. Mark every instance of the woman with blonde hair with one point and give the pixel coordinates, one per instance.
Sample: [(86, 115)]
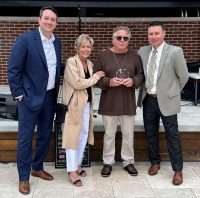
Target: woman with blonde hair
[(77, 88)]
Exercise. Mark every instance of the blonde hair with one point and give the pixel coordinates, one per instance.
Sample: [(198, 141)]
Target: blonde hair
[(80, 39)]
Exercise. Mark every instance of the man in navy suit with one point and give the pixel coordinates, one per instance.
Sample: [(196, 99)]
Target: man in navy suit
[(34, 73)]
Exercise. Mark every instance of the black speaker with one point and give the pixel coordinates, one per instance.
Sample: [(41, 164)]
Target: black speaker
[(188, 92), (193, 67), (8, 107)]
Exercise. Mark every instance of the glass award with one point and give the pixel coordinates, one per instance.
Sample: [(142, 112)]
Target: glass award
[(122, 73)]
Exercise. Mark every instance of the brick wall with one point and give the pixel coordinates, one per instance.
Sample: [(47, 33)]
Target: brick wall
[(184, 32)]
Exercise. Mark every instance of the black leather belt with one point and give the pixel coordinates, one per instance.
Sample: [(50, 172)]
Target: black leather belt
[(152, 95)]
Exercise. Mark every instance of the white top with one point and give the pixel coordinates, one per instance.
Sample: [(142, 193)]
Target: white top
[(50, 55), (194, 75), (158, 56)]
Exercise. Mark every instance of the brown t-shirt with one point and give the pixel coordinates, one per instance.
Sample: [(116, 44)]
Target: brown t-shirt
[(117, 101)]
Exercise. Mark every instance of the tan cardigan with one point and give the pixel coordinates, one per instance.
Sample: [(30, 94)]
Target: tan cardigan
[(74, 82)]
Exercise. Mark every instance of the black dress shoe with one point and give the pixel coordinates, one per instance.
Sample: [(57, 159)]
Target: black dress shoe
[(131, 170), (106, 170)]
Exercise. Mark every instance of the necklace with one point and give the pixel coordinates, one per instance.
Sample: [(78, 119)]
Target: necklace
[(118, 62), (122, 72)]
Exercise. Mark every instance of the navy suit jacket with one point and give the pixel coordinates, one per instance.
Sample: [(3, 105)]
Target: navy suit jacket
[(27, 69)]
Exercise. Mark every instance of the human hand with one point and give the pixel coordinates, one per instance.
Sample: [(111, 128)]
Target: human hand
[(100, 73), (20, 98), (128, 82), (115, 82)]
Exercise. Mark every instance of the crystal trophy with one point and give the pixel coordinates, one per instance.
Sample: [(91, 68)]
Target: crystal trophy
[(122, 73)]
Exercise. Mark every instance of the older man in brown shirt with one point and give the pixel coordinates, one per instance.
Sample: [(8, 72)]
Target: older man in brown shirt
[(123, 74)]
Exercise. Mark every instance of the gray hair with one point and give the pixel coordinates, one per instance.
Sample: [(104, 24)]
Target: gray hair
[(80, 39), (121, 28)]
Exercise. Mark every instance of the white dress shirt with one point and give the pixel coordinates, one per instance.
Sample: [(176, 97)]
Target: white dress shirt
[(159, 53), (50, 55)]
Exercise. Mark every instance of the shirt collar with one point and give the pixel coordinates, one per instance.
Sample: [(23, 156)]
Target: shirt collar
[(159, 49), (44, 38)]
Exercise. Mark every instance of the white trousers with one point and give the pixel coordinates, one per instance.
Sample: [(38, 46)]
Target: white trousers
[(127, 129), (74, 157)]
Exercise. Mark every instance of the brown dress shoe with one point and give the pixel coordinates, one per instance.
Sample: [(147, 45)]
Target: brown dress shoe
[(24, 187), (42, 174), (153, 170), (106, 170), (178, 178)]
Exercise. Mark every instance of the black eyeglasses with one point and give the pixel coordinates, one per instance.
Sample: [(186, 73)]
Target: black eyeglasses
[(122, 38)]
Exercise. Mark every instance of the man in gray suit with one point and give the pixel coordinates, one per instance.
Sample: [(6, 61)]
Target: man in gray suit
[(166, 74)]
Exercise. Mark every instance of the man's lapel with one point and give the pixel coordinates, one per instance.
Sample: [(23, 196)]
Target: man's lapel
[(163, 58), (146, 55), (39, 46)]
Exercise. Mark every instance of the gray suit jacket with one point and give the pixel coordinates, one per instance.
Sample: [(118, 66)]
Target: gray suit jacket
[(172, 77)]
